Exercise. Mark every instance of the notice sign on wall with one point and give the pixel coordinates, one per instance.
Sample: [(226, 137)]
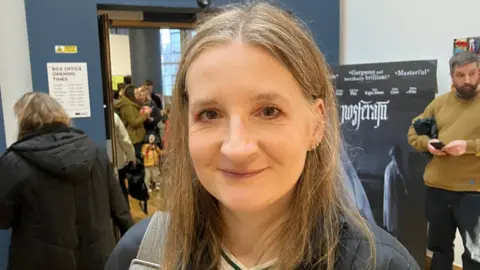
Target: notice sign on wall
[(69, 49), (68, 84)]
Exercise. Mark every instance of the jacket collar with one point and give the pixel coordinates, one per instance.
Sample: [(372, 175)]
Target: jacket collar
[(55, 127)]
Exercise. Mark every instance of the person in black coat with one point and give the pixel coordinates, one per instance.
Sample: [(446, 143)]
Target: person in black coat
[(58, 193), (154, 102), (148, 86)]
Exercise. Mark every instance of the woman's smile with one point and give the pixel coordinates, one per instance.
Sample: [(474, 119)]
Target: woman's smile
[(241, 174)]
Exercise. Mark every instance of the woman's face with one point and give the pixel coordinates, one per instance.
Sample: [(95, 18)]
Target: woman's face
[(250, 126), (141, 96)]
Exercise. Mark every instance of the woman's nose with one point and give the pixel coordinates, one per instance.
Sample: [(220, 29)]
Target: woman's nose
[(238, 144)]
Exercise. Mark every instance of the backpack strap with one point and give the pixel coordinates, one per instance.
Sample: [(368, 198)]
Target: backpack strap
[(151, 248)]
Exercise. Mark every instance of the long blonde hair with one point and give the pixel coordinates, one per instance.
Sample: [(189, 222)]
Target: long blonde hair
[(35, 110), (319, 204)]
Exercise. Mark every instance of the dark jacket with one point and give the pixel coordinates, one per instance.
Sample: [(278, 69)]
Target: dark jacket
[(58, 193), (151, 124), (157, 100), (353, 253), (427, 127)]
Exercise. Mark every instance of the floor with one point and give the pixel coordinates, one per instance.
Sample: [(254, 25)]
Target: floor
[(429, 259), (154, 204)]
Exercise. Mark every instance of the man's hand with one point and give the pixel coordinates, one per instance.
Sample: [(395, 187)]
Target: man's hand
[(433, 150), (456, 148)]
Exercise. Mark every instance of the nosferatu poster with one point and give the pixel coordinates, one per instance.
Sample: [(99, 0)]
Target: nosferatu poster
[(377, 103)]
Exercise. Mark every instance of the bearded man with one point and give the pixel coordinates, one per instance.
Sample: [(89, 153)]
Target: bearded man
[(452, 176)]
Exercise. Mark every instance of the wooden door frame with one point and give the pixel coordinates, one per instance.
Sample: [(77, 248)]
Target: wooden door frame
[(145, 24), (107, 84)]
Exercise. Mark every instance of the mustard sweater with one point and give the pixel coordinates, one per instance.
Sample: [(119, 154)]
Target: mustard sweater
[(456, 119)]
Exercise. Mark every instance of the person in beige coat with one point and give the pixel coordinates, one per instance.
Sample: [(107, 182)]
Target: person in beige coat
[(125, 152)]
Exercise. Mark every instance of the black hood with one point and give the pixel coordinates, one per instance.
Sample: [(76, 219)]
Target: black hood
[(63, 152)]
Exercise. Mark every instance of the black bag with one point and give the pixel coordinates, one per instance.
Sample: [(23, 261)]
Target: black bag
[(427, 127), (136, 182)]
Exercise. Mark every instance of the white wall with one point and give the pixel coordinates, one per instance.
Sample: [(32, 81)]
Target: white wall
[(383, 31), (120, 55), (15, 79), (380, 30), (15, 71)]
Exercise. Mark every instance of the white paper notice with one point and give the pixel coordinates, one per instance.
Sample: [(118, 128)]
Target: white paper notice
[(68, 85)]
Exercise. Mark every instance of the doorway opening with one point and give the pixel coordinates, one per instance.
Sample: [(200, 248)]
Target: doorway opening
[(171, 40), (137, 47)]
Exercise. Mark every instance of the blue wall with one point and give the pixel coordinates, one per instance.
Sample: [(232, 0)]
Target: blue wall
[(74, 22)]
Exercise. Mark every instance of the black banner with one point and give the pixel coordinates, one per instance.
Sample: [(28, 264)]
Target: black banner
[(377, 103)]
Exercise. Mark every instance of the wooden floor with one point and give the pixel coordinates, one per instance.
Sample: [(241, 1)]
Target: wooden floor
[(429, 260), (154, 204)]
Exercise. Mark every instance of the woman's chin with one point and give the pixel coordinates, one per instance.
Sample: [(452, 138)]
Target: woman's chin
[(246, 205)]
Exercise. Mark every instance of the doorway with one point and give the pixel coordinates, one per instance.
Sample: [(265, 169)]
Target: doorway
[(117, 37), (171, 40)]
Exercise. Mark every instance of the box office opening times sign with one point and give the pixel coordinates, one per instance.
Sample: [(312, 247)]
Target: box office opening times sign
[(68, 85)]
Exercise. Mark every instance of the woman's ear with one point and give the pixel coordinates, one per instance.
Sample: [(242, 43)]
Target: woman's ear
[(318, 123)]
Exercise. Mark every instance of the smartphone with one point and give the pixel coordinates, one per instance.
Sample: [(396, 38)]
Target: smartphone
[(437, 145)]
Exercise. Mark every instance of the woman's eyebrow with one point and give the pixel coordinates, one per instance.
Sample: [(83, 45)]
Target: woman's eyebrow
[(204, 102), (268, 96)]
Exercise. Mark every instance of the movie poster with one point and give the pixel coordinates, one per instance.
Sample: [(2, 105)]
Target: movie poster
[(377, 103), (470, 44)]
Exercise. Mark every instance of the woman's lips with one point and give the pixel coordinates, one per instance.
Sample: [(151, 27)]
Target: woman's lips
[(240, 174)]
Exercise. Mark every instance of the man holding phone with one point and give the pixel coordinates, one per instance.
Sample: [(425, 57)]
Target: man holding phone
[(452, 176)]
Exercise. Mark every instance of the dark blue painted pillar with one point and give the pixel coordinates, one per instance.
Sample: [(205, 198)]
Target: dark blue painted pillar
[(145, 56)]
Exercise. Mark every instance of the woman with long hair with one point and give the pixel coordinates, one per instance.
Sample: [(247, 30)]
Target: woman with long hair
[(58, 192), (253, 159), (129, 108)]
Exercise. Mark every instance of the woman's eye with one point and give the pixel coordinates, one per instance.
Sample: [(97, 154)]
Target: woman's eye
[(208, 115), (270, 112)]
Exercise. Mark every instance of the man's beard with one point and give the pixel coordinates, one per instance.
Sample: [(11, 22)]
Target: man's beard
[(466, 91)]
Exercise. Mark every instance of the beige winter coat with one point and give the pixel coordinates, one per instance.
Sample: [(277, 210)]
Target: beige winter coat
[(123, 144)]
